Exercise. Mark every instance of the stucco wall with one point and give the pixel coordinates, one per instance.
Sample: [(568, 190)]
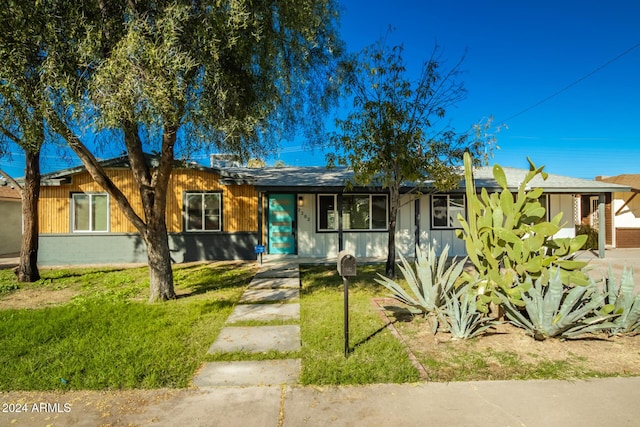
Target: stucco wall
[(627, 212), (10, 227)]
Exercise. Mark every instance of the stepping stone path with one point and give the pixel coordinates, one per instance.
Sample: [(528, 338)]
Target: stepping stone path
[(273, 294)]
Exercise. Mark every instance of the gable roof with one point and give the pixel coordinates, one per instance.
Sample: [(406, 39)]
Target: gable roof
[(631, 180), (7, 192), (553, 184), (64, 176), (319, 178), (309, 178)]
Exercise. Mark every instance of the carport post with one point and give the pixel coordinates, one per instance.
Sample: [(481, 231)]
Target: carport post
[(602, 226)]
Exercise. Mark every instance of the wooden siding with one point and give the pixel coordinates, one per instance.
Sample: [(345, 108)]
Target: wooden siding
[(628, 237), (239, 202)]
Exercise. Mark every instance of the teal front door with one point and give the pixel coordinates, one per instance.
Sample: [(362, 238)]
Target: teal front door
[(282, 211)]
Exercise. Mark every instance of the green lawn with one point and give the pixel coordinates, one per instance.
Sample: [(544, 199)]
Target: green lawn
[(375, 356), (108, 337), (103, 334)]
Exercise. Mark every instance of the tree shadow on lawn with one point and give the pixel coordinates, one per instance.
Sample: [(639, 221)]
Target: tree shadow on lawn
[(199, 279), (398, 314), (50, 274), (319, 278), (215, 306)]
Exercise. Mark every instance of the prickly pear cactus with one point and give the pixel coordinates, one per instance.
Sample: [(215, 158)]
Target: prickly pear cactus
[(508, 239)]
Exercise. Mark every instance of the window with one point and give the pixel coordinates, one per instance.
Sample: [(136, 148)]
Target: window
[(327, 212), (544, 201), (90, 212), (359, 212), (203, 212), (445, 210)]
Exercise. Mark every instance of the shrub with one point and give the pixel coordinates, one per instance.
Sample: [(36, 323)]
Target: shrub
[(626, 304), (460, 316), (509, 241), (555, 310), (428, 283), (592, 236)]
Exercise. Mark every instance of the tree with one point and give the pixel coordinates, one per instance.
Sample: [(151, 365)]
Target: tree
[(395, 132), (182, 74), (22, 119), (256, 163)]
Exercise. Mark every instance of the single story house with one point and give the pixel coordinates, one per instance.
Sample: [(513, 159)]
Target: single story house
[(624, 214), (11, 223), (225, 212)]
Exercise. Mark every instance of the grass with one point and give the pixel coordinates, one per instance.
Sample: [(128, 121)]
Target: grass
[(375, 355), (108, 337), (465, 365), (463, 360)]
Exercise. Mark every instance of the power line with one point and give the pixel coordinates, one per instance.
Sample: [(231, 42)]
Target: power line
[(569, 86)]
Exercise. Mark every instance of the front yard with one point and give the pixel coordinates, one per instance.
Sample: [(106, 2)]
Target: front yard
[(93, 329)]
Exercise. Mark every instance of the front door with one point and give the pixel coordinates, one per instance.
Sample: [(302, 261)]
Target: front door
[(282, 224)]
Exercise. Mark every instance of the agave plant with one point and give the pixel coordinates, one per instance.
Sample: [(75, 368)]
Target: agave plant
[(427, 284), (626, 304), (460, 316), (555, 310)]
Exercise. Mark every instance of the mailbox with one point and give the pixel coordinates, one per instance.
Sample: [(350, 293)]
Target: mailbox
[(346, 264)]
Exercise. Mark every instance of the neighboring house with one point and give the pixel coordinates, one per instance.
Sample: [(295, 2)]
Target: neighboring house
[(10, 219), (223, 213), (623, 215)]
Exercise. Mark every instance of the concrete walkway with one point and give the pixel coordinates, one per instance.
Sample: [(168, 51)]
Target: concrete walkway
[(272, 296)]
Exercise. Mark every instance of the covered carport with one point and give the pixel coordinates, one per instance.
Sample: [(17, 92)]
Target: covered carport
[(623, 211)]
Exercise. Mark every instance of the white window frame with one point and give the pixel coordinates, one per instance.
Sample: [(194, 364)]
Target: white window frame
[(453, 224), (91, 224), (202, 194)]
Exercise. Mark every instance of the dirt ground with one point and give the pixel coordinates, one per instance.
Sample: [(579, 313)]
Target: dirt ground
[(590, 355), (36, 298)]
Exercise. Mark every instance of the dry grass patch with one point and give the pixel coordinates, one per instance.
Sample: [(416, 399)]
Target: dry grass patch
[(508, 353)]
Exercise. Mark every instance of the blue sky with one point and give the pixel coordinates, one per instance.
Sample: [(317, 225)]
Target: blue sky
[(563, 76), (519, 53)]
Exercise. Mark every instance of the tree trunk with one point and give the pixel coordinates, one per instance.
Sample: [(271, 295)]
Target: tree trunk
[(154, 197), (159, 260), (27, 271), (153, 193), (390, 267)]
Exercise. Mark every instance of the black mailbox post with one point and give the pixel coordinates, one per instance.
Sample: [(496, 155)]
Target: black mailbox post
[(346, 268)]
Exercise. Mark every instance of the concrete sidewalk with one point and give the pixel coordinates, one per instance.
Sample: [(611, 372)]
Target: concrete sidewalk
[(611, 401)]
